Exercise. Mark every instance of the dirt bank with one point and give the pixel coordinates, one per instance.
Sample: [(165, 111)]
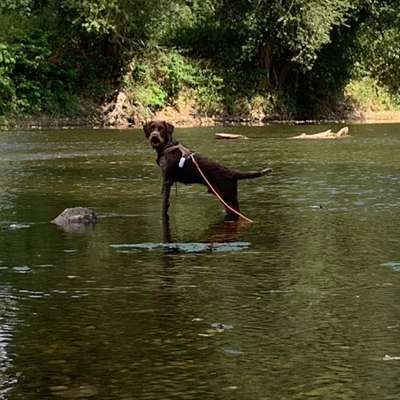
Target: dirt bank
[(379, 117), (121, 113)]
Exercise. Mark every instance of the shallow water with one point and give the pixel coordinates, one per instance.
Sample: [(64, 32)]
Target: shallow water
[(303, 303)]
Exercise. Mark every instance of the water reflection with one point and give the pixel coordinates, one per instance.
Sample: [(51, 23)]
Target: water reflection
[(221, 238), (190, 247)]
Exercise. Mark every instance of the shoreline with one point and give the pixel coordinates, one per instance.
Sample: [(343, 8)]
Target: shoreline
[(188, 121)]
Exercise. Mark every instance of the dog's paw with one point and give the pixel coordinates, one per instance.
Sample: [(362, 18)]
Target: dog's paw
[(231, 217)]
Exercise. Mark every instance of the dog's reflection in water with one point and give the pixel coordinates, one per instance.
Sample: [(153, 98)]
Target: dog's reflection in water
[(219, 237)]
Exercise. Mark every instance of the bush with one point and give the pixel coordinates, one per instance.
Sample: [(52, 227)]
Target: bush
[(368, 94), (165, 76), (7, 87), (157, 80), (29, 81)]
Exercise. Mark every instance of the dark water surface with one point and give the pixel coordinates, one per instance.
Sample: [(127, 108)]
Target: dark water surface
[(302, 304)]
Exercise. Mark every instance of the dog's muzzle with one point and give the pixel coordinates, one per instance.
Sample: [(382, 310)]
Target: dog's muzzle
[(155, 139)]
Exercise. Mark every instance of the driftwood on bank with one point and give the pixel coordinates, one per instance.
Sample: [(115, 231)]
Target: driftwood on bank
[(340, 134), (229, 136)]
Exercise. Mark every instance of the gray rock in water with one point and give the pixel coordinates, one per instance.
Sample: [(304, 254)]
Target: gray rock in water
[(75, 215)]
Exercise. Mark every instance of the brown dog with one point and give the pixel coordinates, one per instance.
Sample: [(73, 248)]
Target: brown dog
[(177, 166)]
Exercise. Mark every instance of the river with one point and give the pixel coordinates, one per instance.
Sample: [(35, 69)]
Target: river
[(303, 303)]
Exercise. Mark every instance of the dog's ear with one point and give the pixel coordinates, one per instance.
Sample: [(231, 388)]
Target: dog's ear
[(146, 128), (169, 128)]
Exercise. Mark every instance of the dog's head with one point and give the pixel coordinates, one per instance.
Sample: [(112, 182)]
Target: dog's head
[(159, 133)]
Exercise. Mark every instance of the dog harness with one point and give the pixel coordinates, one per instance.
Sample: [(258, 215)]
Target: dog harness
[(186, 153)]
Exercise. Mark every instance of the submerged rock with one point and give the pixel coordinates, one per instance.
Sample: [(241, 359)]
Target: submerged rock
[(75, 215)]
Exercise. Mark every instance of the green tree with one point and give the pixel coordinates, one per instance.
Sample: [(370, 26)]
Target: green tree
[(378, 44)]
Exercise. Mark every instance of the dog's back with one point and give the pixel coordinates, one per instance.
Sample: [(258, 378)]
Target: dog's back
[(188, 172)]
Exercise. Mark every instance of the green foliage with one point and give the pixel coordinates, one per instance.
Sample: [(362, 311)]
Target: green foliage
[(7, 88), (176, 73), (159, 79), (16, 6), (144, 87), (29, 82), (131, 24), (164, 77), (380, 57), (209, 91), (296, 29), (368, 94), (44, 65), (275, 47), (295, 56)]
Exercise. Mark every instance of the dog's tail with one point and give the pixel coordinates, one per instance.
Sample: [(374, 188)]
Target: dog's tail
[(252, 174)]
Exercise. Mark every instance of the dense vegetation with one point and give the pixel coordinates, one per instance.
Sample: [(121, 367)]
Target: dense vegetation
[(292, 58)]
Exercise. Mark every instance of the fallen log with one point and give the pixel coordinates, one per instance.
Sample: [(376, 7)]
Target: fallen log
[(340, 134), (229, 136)]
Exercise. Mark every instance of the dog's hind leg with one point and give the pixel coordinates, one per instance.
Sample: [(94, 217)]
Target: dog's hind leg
[(229, 192)]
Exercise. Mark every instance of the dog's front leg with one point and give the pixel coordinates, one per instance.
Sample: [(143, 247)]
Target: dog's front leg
[(166, 229), (166, 190)]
